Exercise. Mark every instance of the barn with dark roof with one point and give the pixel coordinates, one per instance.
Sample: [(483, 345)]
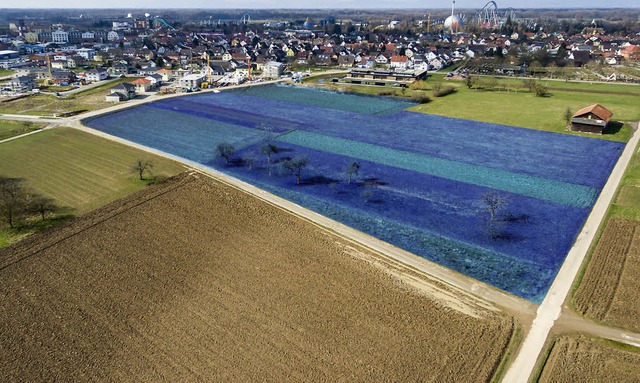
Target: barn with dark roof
[(592, 119)]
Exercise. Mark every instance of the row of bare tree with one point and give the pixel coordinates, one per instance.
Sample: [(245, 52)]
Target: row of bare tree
[(18, 202)]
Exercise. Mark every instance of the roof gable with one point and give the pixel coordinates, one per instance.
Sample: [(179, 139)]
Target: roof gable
[(597, 110)]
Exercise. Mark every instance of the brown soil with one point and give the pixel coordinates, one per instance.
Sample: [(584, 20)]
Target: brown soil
[(196, 281), (582, 359), (610, 288)]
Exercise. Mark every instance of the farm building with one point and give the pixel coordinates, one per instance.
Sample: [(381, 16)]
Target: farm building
[(592, 119)]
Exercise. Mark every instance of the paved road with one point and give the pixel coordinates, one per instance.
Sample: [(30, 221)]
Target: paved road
[(550, 309)]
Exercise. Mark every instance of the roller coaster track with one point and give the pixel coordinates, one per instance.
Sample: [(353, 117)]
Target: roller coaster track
[(164, 23), (488, 15), (491, 17)]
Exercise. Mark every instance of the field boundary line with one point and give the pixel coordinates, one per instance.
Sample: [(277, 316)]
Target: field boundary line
[(551, 308)]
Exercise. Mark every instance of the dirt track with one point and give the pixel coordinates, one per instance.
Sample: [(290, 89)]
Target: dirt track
[(197, 281)]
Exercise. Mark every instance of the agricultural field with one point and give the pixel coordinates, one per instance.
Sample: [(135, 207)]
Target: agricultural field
[(423, 181), (497, 105), (49, 105), (9, 128), (577, 358), (78, 170), (192, 280), (609, 289)]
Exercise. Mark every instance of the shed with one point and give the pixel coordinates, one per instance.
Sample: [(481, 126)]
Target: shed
[(592, 119)]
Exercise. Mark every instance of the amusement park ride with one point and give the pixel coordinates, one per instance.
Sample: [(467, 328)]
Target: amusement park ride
[(490, 16)]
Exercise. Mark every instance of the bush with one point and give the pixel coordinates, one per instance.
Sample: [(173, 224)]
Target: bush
[(386, 93), (421, 99), (447, 90), (419, 85), (541, 91)]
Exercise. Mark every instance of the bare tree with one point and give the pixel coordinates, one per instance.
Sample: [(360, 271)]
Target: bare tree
[(366, 195), (140, 166), (13, 199), (493, 203), (42, 205), (352, 170), (249, 159), (295, 166), (225, 151), (269, 149)]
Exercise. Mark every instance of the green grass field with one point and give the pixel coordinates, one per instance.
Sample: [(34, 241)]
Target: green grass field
[(47, 105), (79, 170), (6, 72), (627, 201), (528, 111), (518, 107), (10, 128)]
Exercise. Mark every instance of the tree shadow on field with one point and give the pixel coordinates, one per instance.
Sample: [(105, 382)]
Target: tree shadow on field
[(319, 180), (373, 181), (516, 218)]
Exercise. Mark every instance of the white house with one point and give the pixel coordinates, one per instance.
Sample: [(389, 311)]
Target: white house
[(192, 81), (382, 59), (97, 74), (273, 70), (60, 37), (86, 53), (399, 62)]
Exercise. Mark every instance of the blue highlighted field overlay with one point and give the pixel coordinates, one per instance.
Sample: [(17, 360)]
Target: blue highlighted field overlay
[(421, 181)]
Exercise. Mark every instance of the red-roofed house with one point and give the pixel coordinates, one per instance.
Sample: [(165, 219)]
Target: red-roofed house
[(630, 52), (400, 62), (142, 85), (592, 119), (167, 74)]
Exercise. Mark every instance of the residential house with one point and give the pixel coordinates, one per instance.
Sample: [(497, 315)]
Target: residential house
[(59, 64), (192, 81), (167, 74), (382, 59), (76, 61), (156, 80), (86, 53), (123, 91), (346, 60), (273, 70), (97, 74), (142, 85), (120, 68), (20, 84), (399, 62)]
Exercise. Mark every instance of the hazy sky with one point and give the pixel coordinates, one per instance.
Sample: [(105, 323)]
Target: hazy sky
[(337, 4)]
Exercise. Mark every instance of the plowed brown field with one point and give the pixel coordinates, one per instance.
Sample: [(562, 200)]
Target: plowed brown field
[(610, 288), (580, 359), (193, 280)]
